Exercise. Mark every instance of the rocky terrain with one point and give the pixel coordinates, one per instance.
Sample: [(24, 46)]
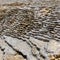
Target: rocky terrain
[(30, 31)]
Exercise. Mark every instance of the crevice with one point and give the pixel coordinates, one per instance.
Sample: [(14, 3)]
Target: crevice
[(2, 49), (20, 53), (45, 40), (35, 45)]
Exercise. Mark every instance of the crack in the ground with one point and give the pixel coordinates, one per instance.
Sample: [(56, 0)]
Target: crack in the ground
[(2, 49), (20, 53)]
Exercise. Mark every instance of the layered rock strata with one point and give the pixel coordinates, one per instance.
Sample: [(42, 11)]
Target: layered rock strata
[(29, 32)]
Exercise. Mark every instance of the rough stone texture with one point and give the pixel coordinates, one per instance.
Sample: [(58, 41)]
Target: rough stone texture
[(13, 57), (30, 31)]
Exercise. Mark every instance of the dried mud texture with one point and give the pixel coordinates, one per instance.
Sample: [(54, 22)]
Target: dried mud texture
[(29, 32)]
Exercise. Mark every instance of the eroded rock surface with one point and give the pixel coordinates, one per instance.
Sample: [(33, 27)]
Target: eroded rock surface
[(29, 32)]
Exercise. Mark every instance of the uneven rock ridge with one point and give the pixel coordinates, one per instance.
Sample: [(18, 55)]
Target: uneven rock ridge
[(29, 31)]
